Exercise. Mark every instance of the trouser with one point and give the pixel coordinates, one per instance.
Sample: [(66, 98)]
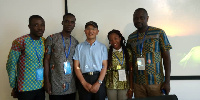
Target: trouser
[(141, 91), (117, 94), (63, 97), (85, 95), (32, 95)]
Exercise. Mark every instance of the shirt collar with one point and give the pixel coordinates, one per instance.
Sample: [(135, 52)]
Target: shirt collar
[(117, 50), (87, 43)]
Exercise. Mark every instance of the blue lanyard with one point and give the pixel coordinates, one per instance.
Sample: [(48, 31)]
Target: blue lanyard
[(66, 54), (141, 47), (37, 54), (118, 58)]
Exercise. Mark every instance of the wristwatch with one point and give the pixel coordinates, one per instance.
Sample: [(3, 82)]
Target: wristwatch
[(99, 81)]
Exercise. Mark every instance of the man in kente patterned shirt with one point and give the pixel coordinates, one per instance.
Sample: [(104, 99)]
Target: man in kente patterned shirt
[(25, 61), (150, 46)]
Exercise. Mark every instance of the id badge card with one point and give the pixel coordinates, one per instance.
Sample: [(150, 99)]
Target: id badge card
[(141, 63), (39, 74), (122, 75), (67, 68)]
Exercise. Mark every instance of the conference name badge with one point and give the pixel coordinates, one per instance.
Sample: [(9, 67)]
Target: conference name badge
[(141, 63), (39, 74), (122, 75), (67, 68)]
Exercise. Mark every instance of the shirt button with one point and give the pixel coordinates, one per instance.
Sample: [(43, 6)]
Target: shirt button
[(86, 66)]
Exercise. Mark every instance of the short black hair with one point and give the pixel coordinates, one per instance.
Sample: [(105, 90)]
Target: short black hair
[(34, 16), (142, 10), (68, 14)]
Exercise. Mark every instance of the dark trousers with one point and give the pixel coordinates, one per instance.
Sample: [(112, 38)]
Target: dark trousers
[(63, 97), (32, 95), (85, 95)]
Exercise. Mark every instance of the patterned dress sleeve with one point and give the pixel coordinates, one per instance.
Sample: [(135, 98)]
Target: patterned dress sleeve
[(12, 61)]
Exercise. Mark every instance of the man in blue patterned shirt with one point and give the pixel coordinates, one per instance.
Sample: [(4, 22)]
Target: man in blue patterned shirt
[(149, 46), (26, 55)]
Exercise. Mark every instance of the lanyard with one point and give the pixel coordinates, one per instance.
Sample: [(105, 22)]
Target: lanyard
[(118, 58), (66, 54), (37, 54), (141, 47)]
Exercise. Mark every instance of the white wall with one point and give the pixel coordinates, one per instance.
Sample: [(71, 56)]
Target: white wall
[(186, 89), (179, 18), (14, 16)]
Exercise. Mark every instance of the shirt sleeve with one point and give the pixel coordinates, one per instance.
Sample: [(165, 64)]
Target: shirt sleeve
[(11, 64), (76, 54), (48, 45), (164, 42), (130, 55), (105, 53), (77, 42), (128, 44), (129, 48)]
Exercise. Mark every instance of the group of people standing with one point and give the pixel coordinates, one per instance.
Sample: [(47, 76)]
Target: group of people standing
[(60, 65)]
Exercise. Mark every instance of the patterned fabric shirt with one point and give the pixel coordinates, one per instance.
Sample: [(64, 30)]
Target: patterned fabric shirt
[(23, 55), (90, 57), (155, 42), (112, 76), (55, 48)]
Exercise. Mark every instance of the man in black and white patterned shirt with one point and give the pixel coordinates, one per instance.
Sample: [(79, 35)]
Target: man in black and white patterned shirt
[(58, 62)]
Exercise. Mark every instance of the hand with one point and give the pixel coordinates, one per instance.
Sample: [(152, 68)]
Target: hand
[(47, 87), (14, 93), (129, 93), (87, 86), (95, 87), (166, 87)]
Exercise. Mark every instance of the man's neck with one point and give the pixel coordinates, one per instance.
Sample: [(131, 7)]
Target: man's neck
[(142, 30), (65, 34), (91, 41), (34, 37)]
